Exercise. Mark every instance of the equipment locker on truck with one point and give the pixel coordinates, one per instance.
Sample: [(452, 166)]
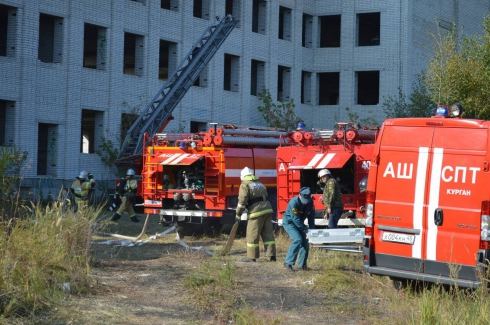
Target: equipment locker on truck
[(346, 152), (428, 200)]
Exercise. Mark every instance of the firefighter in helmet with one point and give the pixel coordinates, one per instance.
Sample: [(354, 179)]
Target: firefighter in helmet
[(127, 188), (81, 188), (332, 198), (252, 196)]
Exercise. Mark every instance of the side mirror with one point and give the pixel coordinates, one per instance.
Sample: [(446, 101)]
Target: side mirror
[(363, 184)]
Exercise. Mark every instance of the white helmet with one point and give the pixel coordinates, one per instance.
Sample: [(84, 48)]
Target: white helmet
[(83, 174), (245, 172), (324, 172), (130, 172)]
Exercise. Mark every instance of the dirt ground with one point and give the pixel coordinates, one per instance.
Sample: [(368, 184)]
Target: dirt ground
[(144, 285)]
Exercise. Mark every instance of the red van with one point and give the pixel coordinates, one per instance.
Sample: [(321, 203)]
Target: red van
[(428, 200)]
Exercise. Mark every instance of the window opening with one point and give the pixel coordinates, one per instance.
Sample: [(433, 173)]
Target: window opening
[(133, 54), (329, 30), (328, 88), (257, 78), (259, 16), (94, 47), (50, 38), (368, 29), (367, 87)]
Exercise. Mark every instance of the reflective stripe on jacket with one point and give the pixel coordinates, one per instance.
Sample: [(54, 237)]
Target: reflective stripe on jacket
[(253, 197), (81, 188), (131, 186)]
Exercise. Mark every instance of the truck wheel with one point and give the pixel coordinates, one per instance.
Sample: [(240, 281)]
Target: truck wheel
[(213, 228), (184, 229), (403, 284), (399, 284)]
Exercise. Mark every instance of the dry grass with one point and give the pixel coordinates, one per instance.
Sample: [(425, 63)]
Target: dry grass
[(44, 254), (215, 290)]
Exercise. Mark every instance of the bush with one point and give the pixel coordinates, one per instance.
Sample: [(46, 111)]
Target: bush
[(12, 162)]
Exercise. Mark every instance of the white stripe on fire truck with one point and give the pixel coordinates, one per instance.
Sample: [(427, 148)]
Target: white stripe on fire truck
[(435, 184), (418, 204), (326, 160), (313, 161), (179, 159), (169, 159), (266, 172), (174, 159), (258, 172)]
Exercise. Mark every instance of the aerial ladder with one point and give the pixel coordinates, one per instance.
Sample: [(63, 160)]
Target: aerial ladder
[(158, 113)]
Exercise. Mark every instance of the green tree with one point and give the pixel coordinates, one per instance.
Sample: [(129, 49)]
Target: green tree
[(280, 115), (12, 162), (418, 104), (459, 71), (354, 117)]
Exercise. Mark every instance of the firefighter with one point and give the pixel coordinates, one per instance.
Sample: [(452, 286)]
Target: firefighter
[(128, 191), (253, 197), (299, 209), (332, 198), (81, 188), (322, 181)]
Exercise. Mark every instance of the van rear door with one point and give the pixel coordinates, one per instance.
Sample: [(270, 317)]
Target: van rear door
[(456, 191), (400, 205)]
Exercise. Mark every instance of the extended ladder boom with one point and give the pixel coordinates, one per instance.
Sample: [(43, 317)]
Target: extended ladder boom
[(159, 111)]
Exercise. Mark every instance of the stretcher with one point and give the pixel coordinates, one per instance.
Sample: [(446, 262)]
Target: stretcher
[(340, 239)]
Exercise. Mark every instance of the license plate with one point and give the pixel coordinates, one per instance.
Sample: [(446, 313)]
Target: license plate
[(152, 203), (398, 238)]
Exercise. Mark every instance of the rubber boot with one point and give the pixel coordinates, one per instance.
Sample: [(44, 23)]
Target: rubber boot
[(135, 219), (305, 268), (116, 217)]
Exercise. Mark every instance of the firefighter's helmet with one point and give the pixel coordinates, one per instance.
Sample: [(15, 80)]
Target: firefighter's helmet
[(323, 172), (245, 172), (83, 174), (130, 172)]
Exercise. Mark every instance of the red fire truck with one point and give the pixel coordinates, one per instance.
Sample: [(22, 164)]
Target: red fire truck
[(345, 152), (193, 179)]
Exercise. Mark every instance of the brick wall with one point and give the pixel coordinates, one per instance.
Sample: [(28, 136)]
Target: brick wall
[(56, 93)]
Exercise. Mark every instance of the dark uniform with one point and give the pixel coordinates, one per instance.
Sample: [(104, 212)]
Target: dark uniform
[(253, 197), (128, 192), (332, 198), (299, 209)]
